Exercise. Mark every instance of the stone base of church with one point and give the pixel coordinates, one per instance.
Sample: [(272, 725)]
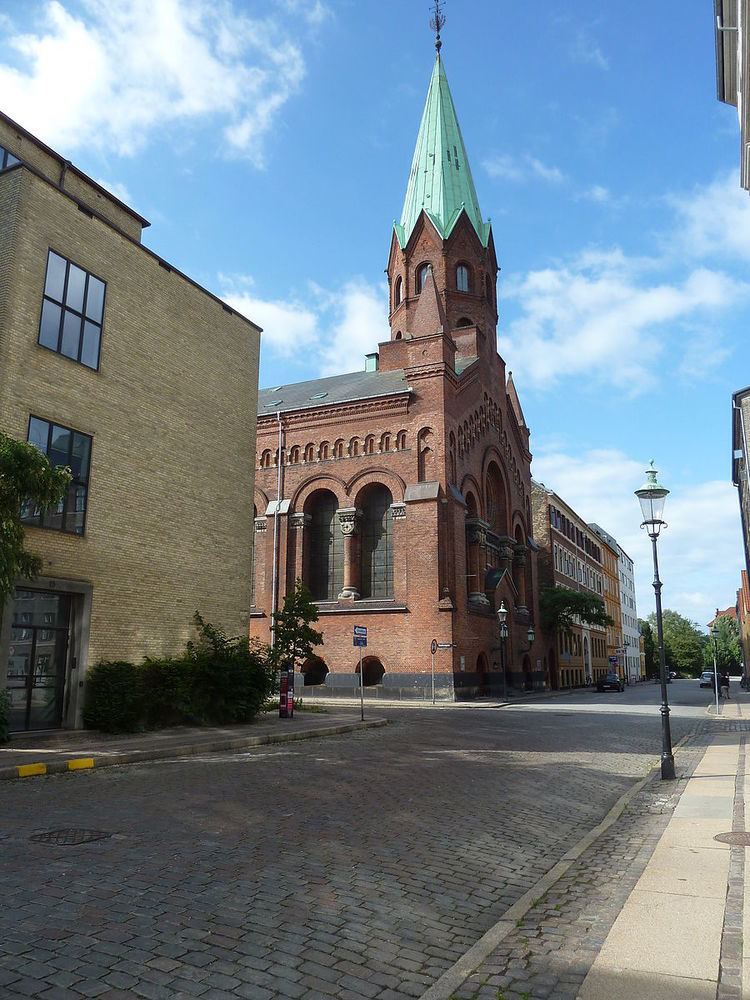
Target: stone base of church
[(464, 686)]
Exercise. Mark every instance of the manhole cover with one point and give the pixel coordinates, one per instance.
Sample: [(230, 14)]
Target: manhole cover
[(68, 838), (738, 838)]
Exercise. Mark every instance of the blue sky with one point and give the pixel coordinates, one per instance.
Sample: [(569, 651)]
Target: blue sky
[(269, 142)]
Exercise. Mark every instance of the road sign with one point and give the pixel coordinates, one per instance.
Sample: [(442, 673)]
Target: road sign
[(445, 645), (360, 630), (434, 646), (359, 640)]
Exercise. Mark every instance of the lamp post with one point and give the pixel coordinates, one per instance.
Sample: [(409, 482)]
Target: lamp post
[(531, 635), (652, 496), (715, 637), (502, 616)]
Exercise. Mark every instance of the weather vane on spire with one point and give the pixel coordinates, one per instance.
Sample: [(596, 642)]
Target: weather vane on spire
[(436, 23)]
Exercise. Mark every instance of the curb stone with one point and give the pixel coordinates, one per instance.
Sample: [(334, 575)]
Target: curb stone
[(74, 764)]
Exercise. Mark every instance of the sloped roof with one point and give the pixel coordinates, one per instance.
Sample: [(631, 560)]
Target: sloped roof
[(332, 390), (440, 181)]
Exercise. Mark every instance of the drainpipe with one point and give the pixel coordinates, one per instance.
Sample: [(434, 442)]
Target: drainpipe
[(275, 580)]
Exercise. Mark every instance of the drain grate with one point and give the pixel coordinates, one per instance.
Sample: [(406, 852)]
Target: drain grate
[(69, 838), (738, 838)]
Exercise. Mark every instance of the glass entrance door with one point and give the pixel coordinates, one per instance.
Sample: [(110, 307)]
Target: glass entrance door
[(37, 660)]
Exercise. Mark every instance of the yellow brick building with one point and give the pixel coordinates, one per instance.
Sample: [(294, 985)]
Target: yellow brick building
[(115, 363)]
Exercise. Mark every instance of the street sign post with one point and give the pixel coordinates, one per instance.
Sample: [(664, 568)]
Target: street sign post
[(434, 647), (360, 639)]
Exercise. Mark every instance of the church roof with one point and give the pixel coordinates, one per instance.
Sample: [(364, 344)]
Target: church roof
[(332, 390), (440, 181)]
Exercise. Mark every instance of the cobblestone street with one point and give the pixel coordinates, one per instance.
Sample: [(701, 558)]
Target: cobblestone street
[(359, 866)]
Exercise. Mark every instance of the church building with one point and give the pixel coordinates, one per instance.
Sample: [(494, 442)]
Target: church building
[(401, 493)]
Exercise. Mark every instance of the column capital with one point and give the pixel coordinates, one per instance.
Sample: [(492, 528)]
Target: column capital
[(398, 510), (261, 523), (299, 521), (349, 518)]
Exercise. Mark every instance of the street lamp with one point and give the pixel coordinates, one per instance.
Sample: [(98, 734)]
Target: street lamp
[(652, 496), (715, 637), (502, 617)]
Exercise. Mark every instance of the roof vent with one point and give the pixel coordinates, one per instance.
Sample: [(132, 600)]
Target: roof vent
[(319, 395), (372, 362)]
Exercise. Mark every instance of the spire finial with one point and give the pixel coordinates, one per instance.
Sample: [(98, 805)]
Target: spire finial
[(436, 23)]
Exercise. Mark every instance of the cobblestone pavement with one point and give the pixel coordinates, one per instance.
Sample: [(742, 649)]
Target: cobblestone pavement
[(359, 866), (552, 949)]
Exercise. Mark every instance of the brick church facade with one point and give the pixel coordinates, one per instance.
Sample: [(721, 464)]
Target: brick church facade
[(401, 494)]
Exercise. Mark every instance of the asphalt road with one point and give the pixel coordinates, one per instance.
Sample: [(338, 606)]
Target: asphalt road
[(358, 866)]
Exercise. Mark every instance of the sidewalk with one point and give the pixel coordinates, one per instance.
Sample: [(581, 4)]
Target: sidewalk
[(60, 751)]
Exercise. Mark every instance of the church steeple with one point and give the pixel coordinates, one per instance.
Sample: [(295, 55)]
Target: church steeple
[(440, 181)]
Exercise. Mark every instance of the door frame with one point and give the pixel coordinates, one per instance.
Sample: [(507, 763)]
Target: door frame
[(81, 595)]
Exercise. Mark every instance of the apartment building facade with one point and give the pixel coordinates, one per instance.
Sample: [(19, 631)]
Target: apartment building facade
[(117, 365), (628, 645), (570, 555)]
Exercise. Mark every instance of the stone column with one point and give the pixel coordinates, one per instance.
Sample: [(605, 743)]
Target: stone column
[(298, 523), (349, 518), (476, 541)]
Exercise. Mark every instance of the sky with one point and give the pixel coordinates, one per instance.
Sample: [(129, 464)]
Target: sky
[(269, 143)]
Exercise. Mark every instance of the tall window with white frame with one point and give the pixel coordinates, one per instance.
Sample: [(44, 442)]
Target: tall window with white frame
[(63, 447), (72, 311)]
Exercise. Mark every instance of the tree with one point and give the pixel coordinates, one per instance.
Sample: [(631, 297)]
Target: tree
[(294, 637), (729, 656), (683, 642), (649, 648), (560, 606), (26, 478)]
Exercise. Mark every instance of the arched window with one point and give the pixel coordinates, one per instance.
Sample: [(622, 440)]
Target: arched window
[(354, 447), (398, 336), (398, 290), (338, 448), (323, 453), (422, 271), (377, 543), (324, 563), (265, 459), (369, 446), (426, 455), (309, 452), (496, 503), (400, 440), (464, 321), (463, 278), (385, 442), (294, 455)]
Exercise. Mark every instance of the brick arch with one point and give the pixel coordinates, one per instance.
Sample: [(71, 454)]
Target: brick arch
[(384, 477), (470, 482), (518, 520), (260, 499), (325, 482)]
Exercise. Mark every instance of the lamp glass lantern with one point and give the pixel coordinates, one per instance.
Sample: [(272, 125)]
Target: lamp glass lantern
[(531, 634), (502, 613), (652, 496)]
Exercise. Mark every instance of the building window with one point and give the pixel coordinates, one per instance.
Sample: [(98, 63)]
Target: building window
[(7, 159), (325, 549), (63, 447), (72, 311), (398, 291), (422, 271), (377, 543), (463, 279)]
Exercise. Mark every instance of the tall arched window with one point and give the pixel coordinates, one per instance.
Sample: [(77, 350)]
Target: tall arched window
[(369, 445), (294, 455), (338, 448), (496, 502), (265, 459), (398, 290), (324, 569), (377, 543), (463, 278), (422, 271), (309, 452)]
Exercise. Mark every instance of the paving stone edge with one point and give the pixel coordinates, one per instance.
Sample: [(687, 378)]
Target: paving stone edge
[(84, 763), (451, 980)]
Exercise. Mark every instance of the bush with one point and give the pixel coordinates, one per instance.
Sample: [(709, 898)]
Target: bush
[(114, 697), (230, 679), (4, 715), (165, 686)]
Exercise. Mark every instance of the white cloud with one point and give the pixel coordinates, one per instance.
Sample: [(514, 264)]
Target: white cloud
[(700, 551), (109, 75), (585, 50), (336, 328), (713, 221), (519, 169), (602, 315), (597, 193)]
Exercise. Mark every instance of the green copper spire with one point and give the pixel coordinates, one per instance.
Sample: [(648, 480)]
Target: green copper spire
[(440, 181)]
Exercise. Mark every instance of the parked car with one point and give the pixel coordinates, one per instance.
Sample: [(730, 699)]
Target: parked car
[(707, 679), (610, 682)]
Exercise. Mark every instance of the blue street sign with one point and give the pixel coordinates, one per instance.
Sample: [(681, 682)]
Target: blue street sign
[(360, 630), (360, 640)]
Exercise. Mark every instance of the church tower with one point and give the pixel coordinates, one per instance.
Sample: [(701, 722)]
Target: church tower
[(442, 267)]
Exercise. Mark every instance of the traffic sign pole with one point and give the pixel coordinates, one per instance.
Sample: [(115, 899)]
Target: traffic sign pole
[(361, 688)]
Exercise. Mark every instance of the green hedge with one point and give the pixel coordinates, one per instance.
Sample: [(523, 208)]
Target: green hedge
[(218, 681)]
